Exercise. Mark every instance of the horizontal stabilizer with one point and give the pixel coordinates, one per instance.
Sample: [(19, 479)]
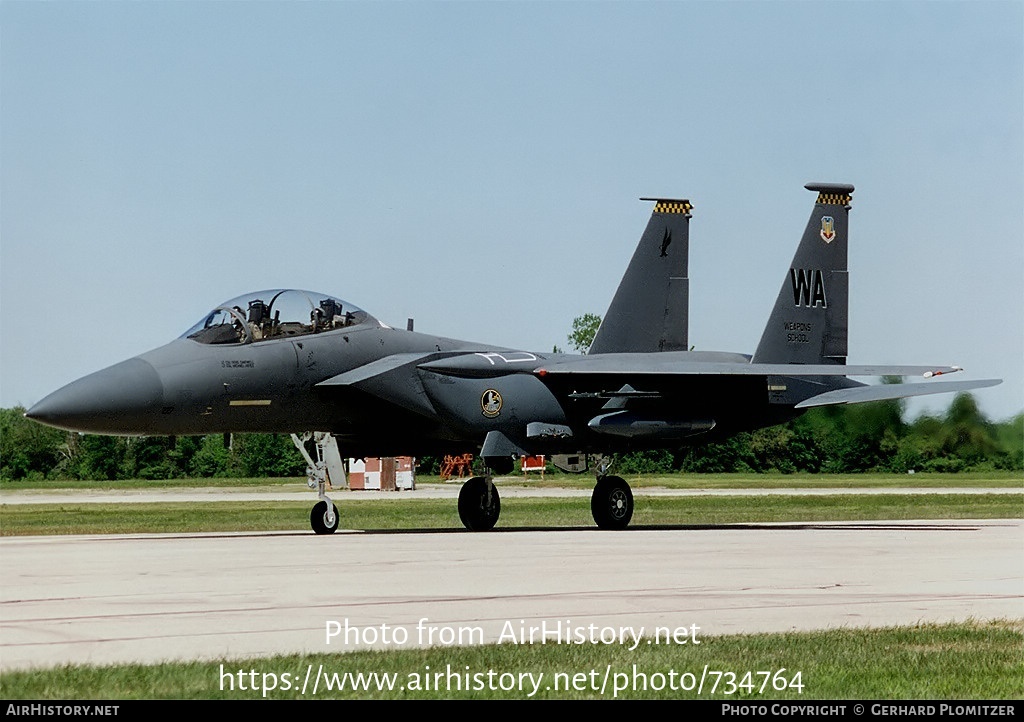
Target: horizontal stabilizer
[(882, 392)]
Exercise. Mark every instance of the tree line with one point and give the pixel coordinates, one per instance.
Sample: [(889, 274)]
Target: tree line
[(847, 439), (835, 439), (32, 451)]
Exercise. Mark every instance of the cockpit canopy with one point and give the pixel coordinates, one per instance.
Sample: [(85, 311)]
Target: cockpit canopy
[(274, 314)]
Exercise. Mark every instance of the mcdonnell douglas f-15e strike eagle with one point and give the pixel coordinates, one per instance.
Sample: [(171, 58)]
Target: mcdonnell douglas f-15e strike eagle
[(290, 361)]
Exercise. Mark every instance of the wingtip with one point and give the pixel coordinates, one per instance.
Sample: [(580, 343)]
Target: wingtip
[(943, 372)]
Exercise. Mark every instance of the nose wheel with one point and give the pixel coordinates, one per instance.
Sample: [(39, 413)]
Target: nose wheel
[(319, 473), (324, 518), (612, 503)]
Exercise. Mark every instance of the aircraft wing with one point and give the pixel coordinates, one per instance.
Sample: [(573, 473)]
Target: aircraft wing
[(480, 365), (656, 364), (658, 367)]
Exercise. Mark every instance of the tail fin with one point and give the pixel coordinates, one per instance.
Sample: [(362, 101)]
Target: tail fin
[(650, 307), (809, 322)]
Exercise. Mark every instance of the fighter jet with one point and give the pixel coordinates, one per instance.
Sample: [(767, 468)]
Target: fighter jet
[(315, 366)]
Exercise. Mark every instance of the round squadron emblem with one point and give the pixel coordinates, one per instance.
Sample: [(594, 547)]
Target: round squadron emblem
[(490, 403)]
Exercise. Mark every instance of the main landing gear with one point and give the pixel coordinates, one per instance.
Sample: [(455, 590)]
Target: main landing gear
[(479, 504), (611, 504)]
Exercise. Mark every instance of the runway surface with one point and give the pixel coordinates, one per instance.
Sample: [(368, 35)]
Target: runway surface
[(104, 599)]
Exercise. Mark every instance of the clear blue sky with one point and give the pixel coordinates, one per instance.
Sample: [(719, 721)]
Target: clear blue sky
[(477, 166)]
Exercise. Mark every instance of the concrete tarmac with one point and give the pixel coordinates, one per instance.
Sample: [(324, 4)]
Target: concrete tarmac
[(147, 598)]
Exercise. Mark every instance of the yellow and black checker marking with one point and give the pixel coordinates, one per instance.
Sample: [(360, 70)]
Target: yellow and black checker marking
[(834, 199), (670, 206)]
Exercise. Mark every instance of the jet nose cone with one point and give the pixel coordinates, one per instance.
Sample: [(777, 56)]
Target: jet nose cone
[(122, 399)]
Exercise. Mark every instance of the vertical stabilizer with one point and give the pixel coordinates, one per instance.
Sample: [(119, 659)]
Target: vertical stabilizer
[(809, 322), (649, 310)]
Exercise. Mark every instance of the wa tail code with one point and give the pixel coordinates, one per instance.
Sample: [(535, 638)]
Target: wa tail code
[(808, 287)]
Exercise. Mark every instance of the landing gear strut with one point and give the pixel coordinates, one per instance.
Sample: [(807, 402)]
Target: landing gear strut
[(479, 504)]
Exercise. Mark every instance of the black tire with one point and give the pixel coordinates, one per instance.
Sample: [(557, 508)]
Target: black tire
[(612, 503), (478, 509), (318, 518)]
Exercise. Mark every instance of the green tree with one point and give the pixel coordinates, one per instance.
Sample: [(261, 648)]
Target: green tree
[(212, 459), (968, 435), (584, 328), (147, 457), (1010, 436), (721, 457), (268, 455), (181, 453), (28, 449), (645, 462), (100, 457)]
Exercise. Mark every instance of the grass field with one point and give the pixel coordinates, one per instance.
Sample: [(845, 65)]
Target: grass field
[(397, 511), (518, 513), (981, 660), (989, 479)]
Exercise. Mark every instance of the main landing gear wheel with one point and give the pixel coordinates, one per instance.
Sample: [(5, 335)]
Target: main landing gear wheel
[(612, 503), (319, 520), (479, 504)]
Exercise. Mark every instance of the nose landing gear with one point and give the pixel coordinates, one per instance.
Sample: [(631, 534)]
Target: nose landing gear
[(324, 516)]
